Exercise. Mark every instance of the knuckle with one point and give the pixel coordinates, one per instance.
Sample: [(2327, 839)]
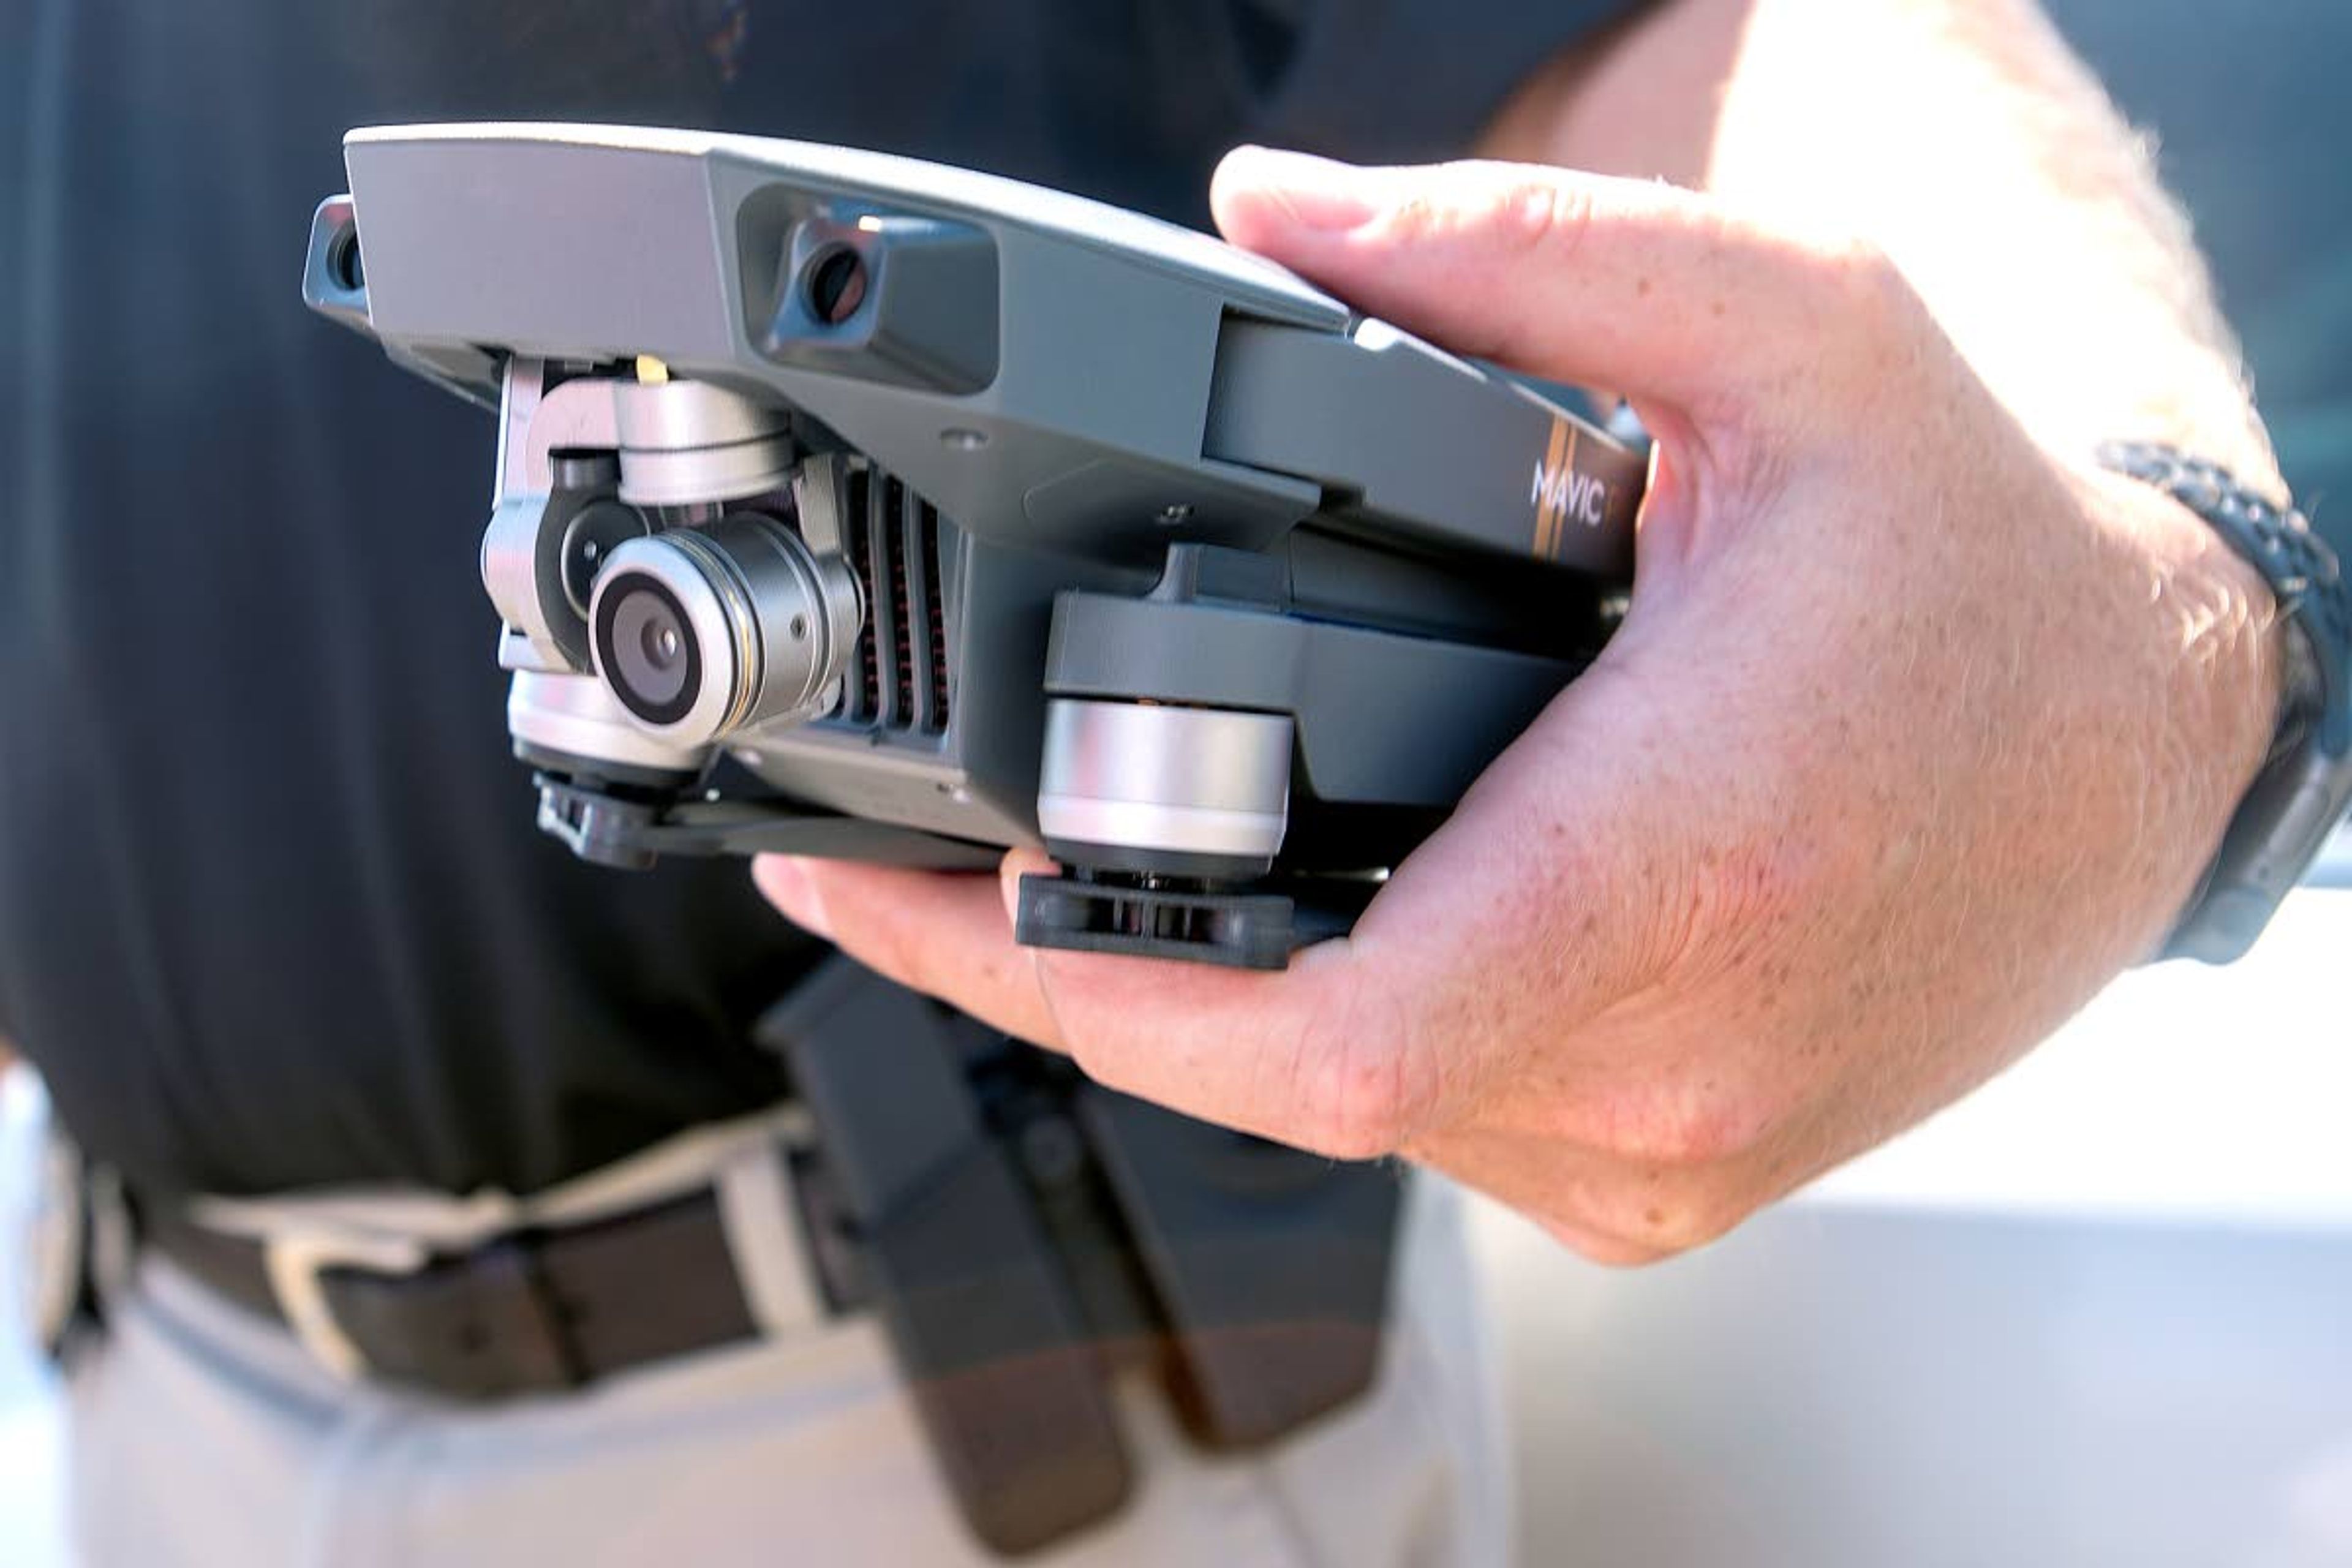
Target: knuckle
[(1596, 1246), (1354, 1097), (1533, 215), (1088, 1054), (1690, 1225), (1118, 1065), (1662, 1219), (1848, 311), (1680, 1137), (1093, 1048), (1867, 288), (1519, 214), (1687, 1125), (1361, 1113), (1417, 219)]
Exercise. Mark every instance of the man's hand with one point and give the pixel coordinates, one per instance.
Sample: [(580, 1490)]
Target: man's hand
[(1916, 733)]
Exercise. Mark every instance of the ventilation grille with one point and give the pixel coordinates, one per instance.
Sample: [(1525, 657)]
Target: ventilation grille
[(897, 678)]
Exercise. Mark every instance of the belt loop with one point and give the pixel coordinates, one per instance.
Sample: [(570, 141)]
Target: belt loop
[(763, 1239)]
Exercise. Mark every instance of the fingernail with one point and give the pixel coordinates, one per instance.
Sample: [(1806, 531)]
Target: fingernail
[(786, 881), (1318, 192)]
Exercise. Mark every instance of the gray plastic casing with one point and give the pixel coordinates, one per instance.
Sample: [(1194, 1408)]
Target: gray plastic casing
[(1076, 389)]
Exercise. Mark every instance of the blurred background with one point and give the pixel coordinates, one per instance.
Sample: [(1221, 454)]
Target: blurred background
[(2100, 1312)]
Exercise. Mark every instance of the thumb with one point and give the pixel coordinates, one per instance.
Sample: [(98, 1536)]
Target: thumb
[(1659, 292)]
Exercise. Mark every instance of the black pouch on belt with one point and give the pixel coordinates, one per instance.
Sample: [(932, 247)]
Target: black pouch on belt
[(1023, 1232)]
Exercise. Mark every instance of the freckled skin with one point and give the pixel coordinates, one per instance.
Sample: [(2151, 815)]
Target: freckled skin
[(1913, 735)]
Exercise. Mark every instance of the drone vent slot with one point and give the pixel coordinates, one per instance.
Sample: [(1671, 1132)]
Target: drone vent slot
[(898, 679)]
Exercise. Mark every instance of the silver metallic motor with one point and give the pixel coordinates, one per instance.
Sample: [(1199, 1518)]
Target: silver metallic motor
[(1203, 789)]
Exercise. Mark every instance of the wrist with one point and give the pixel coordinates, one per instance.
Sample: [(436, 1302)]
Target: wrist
[(2302, 783), (2226, 649)]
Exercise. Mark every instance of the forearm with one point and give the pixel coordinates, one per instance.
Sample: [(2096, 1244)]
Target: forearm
[(1964, 139)]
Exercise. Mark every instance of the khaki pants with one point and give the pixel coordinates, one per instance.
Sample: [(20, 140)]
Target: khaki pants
[(200, 1435)]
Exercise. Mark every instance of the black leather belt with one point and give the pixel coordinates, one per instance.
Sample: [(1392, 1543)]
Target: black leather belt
[(1018, 1231), (532, 1312)]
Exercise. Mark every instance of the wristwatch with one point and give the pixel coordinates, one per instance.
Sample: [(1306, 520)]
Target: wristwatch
[(2304, 789)]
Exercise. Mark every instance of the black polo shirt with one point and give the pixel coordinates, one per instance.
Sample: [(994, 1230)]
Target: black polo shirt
[(272, 909)]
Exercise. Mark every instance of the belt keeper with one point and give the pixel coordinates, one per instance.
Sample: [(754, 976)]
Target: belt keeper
[(762, 1227)]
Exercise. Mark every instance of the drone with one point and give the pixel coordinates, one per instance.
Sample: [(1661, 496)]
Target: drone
[(853, 506)]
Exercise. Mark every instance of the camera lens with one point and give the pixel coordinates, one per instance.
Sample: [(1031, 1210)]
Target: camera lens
[(646, 648), (661, 645), (703, 632)]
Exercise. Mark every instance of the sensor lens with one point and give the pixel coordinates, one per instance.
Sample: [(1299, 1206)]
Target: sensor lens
[(646, 648), (837, 284), (703, 631)]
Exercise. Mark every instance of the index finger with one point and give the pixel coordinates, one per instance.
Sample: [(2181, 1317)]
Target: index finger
[(1307, 1056), (943, 933)]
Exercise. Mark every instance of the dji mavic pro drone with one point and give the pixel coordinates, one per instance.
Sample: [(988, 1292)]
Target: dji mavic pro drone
[(849, 505)]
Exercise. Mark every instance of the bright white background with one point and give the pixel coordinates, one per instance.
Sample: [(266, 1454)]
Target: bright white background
[(2101, 1312)]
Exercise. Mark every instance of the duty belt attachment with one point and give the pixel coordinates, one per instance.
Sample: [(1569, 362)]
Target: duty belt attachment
[(1023, 1234)]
